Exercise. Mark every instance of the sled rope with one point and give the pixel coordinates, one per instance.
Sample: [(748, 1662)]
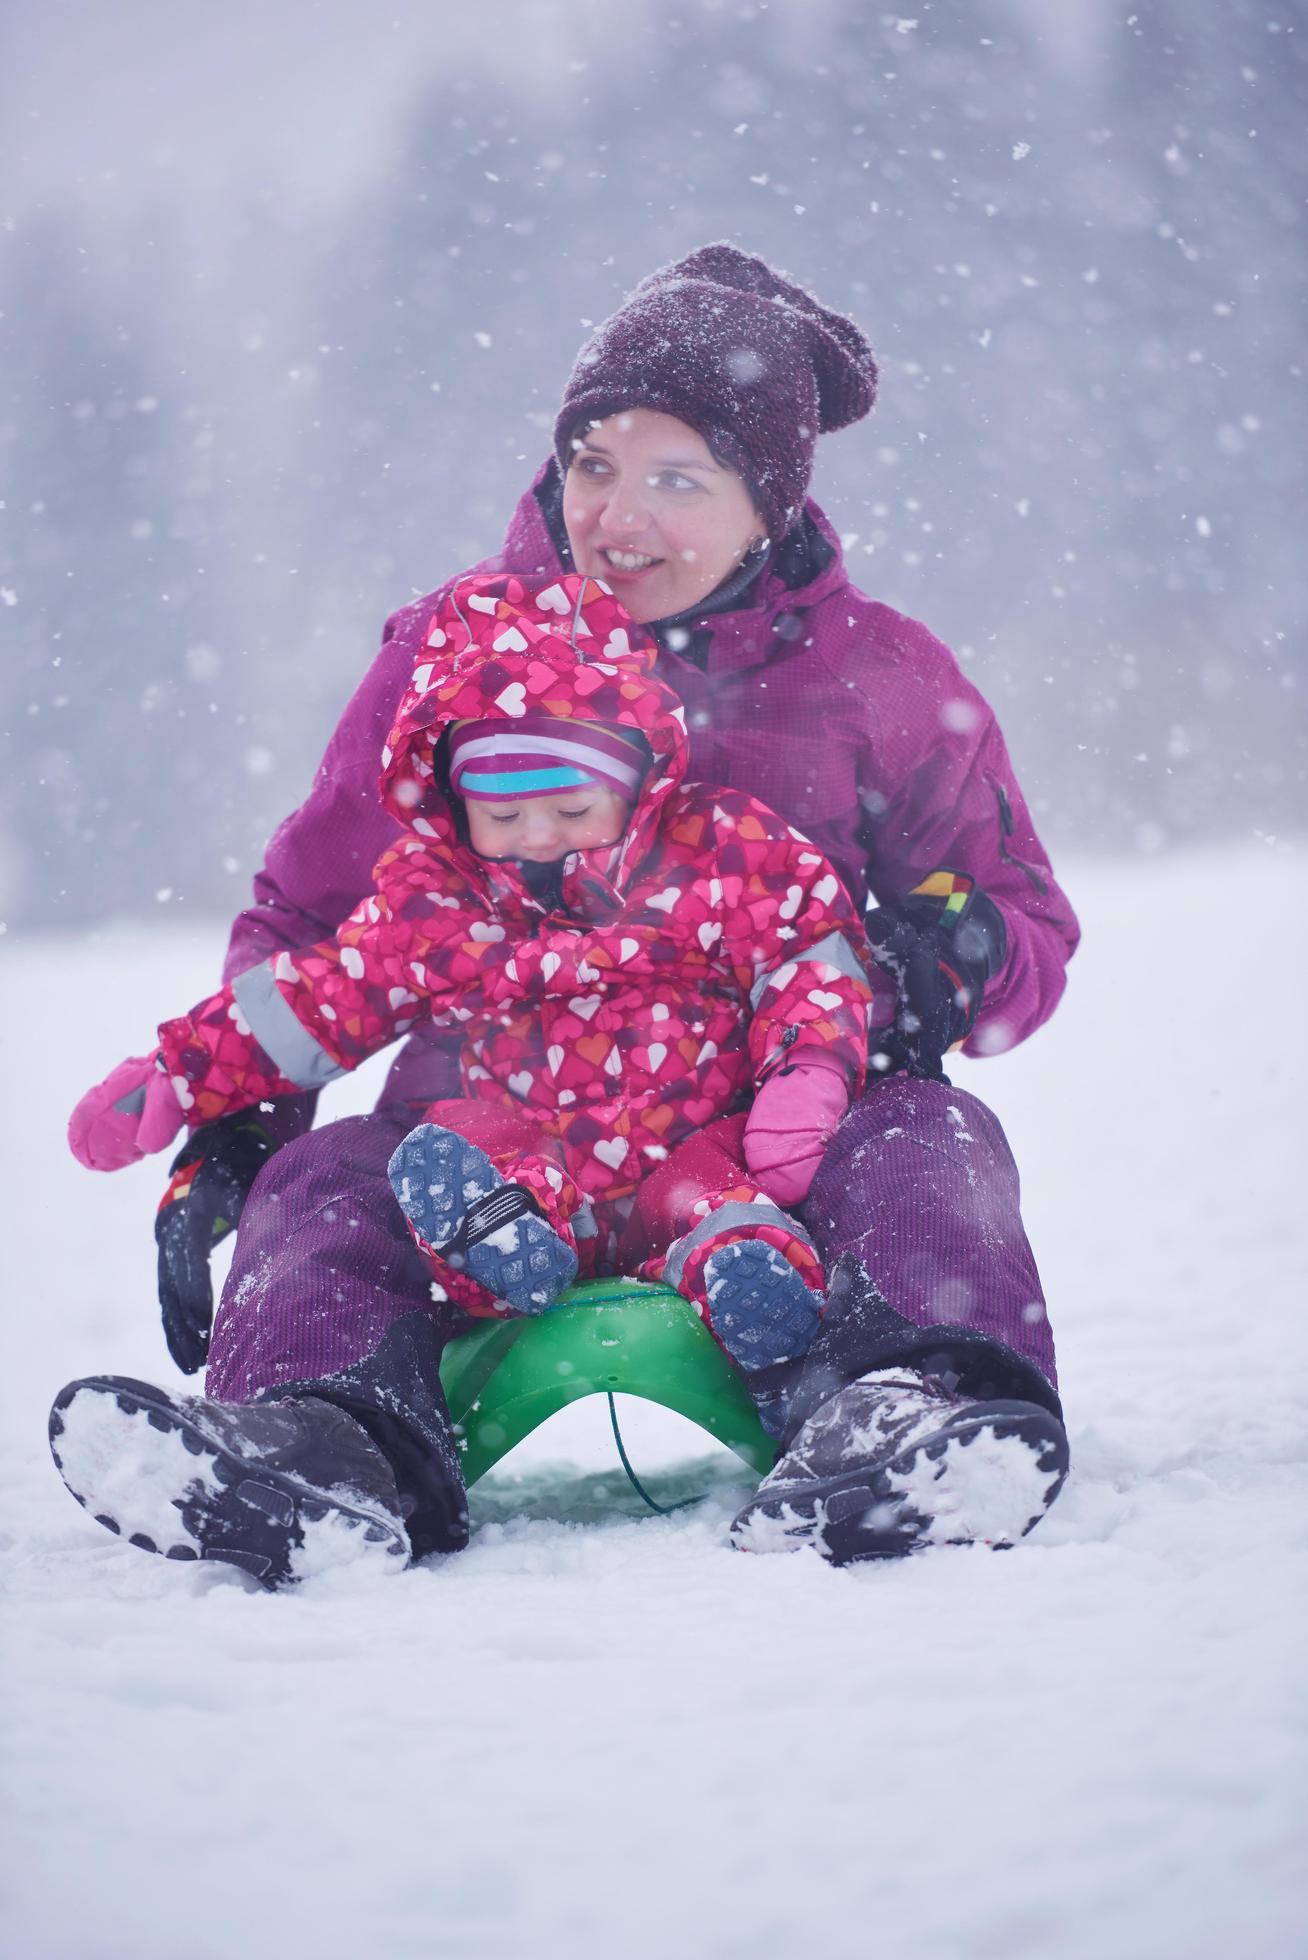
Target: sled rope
[(664, 1510)]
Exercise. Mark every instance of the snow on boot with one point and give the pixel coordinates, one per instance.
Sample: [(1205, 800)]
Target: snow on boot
[(461, 1209), (894, 1462), (761, 1310), (281, 1489)]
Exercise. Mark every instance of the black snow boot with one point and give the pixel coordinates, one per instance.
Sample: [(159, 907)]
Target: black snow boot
[(281, 1489), (395, 1396), (358, 1465), (895, 1461)]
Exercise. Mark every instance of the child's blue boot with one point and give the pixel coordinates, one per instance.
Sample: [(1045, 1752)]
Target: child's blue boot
[(462, 1210)]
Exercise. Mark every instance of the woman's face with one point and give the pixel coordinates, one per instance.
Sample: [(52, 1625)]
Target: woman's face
[(649, 510)]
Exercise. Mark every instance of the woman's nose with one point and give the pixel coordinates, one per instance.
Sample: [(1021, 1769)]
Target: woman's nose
[(627, 508)]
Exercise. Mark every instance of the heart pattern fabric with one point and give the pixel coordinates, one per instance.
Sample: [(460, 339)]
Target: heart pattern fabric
[(681, 960)]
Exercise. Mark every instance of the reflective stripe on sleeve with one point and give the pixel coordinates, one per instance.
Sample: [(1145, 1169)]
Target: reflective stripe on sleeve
[(279, 1031), (835, 950)]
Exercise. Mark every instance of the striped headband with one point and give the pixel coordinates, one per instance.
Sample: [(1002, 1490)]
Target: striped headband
[(543, 755)]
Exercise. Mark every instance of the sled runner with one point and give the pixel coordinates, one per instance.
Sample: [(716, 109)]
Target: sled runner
[(609, 1336)]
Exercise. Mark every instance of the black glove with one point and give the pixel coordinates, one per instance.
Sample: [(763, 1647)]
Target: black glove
[(209, 1181), (940, 945)]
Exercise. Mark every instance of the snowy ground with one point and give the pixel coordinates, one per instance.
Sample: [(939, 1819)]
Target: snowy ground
[(603, 1734)]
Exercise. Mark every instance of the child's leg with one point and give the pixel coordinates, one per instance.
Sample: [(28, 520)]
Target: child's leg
[(749, 1269), (490, 1206)]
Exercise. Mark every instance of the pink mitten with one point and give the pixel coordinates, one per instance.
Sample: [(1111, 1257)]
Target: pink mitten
[(131, 1113), (794, 1117)]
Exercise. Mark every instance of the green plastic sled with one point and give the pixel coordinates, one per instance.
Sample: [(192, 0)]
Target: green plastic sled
[(622, 1336)]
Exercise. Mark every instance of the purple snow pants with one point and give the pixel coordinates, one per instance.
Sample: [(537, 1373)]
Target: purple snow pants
[(919, 1187)]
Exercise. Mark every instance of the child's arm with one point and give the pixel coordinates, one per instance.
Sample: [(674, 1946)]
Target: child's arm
[(302, 1018), (811, 994), (809, 984)]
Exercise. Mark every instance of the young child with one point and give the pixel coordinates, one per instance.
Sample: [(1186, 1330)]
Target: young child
[(631, 959)]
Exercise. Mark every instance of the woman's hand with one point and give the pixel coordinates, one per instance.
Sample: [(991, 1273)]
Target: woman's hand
[(209, 1181), (940, 945), (794, 1118), (133, 1112)]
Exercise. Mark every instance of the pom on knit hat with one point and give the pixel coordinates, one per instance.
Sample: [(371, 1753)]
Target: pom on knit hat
[(750, 360), (543, 755)]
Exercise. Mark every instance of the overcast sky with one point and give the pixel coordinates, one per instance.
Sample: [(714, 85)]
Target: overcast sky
[(101, 99)]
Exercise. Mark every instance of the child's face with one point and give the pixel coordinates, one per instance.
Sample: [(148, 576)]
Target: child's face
[(544, 828)]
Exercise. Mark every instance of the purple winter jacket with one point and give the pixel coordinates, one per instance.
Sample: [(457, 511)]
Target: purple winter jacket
[(850, 720)]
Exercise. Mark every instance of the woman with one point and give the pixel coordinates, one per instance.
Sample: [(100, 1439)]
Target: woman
[(683, 451)]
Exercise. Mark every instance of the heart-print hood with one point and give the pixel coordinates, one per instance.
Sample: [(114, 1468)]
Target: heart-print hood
[(498, 647)]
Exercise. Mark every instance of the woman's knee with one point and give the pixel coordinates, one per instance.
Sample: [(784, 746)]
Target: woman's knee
[(907, 1137), (326, 1163), (906, 1108)]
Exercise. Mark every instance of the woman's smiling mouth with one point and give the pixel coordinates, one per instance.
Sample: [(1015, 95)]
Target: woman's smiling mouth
[(627, 561)]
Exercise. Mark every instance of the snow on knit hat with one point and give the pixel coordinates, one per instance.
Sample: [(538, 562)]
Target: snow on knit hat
[(749, 360), (540, 754)]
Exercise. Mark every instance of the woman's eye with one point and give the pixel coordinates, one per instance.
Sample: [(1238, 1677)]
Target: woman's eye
[(671, 480), (592, 466)]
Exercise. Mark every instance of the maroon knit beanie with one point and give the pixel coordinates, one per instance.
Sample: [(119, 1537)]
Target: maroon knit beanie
[(751, 361)]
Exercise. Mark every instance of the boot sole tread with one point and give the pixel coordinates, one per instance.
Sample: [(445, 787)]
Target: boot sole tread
[(435, 1165), (255, 1519), (864, 1513), (761, 1309), (530, 1272)]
